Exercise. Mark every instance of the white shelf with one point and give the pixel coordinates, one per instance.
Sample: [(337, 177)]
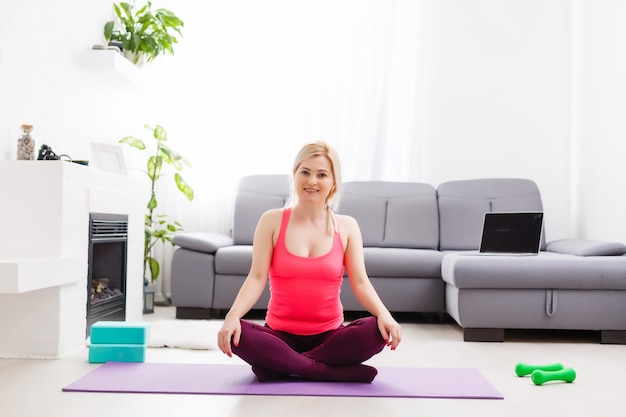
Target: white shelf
[(23, 275), (112, 61)]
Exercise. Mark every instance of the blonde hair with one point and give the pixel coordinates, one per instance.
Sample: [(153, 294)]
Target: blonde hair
[(311, 150)]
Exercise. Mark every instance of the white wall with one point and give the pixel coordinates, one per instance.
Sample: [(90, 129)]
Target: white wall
[(533, 89), (529, 88), (495, 90), (602, 120), (43, 83)]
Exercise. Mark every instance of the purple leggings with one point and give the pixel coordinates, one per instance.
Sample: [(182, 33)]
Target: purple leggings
[(336, 355)]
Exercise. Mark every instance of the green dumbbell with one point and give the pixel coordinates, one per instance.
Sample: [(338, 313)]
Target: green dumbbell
[(539, 377), (522, 369)]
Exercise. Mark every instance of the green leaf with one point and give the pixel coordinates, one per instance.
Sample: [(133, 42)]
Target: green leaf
[(145, 23), (160, 133), (174, 158), (169, 19), (152, 204), (126, 10), (108, 30), (135, 42), (118, 11), (183, 187), (165, 149), (134, 142), (154, 167), (154, 267), (143, 9)]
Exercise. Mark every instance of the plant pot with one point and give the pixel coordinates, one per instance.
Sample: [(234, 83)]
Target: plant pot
[(137, 58)]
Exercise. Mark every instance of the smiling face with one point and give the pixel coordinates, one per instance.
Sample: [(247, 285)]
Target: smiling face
[(314, 179), (316, 174)]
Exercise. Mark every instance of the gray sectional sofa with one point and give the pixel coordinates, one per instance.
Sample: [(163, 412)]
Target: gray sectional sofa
[(419, 243)]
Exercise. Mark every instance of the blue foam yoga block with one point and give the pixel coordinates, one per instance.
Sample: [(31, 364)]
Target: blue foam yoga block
[(120, 332), (101, 353)]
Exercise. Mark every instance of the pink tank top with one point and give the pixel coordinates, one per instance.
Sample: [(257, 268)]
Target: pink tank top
[(305, 290)]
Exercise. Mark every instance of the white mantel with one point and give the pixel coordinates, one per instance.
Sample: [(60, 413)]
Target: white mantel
[(44, 210)]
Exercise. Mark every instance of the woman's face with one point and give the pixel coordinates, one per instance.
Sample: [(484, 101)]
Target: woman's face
[(314, 179)]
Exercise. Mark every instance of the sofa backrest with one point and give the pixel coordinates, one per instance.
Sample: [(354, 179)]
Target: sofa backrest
[(255, 195), (463, 204), (393, 214)]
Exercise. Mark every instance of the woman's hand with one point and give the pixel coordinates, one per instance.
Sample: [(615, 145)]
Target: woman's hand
[(230, 331), (390, 330)]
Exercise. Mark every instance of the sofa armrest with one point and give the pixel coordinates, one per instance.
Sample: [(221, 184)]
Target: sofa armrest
[(584, 247), (202, 241)]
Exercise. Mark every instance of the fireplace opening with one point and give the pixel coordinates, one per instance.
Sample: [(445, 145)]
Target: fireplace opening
[(106, 284)]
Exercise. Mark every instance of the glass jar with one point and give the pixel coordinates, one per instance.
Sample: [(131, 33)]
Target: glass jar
[(26, 145)]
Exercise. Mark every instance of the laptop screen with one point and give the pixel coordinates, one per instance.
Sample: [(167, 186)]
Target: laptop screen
[(512, 232)]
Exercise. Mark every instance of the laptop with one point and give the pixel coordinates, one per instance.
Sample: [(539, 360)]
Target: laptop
[(511, 233)]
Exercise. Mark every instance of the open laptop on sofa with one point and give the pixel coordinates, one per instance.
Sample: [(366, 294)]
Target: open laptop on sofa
[(511, 233)]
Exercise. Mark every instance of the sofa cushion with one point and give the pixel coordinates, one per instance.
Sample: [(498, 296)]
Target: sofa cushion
[(399, 262), (364, 210), (255, 195), (517, 203), (461, 222), (393, 214), (582, 247), (463, 203), (544, 271), (202, 241), (233, 260), (404, 230)]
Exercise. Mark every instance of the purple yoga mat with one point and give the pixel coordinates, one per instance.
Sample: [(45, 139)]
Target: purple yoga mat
[(173, 378)]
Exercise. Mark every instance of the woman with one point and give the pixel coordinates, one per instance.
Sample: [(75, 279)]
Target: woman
[(302, 250)]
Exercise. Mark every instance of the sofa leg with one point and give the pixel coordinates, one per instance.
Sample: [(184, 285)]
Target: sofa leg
[(193, 313), (483, 335), (613, 336)]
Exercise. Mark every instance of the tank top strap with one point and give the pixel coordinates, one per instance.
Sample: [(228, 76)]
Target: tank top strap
[(337, 229), (283, 227)]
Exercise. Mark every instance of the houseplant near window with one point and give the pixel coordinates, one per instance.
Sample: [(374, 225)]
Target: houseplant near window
[(158, 227), (142, 32)]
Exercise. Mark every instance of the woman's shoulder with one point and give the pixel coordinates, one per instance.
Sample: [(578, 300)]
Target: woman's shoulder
[(346, 222), (270, 221), (272, 215)]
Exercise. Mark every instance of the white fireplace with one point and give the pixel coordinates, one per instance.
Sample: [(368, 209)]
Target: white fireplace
[(44, 210)]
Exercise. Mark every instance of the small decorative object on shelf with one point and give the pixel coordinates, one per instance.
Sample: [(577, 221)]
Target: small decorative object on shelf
[(46, 154), (26, 145)]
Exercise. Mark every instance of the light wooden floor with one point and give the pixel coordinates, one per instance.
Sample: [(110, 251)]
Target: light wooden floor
[(33, 387)]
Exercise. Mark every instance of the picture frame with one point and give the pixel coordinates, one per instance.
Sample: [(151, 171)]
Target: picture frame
[(108, 157)]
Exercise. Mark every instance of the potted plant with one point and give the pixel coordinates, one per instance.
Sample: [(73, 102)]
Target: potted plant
[(143, 33), (158, 227)]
